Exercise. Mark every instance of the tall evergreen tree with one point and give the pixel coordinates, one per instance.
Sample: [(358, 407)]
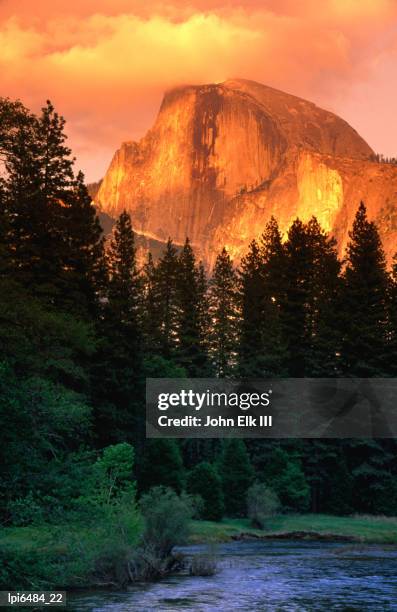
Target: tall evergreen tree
[(151, 308), (392, 369), (204, 481), (252, 296), (297, 296), (273, 272), (190, 310), (237, 475), (118, 387), (223, 312), (365, 302), (310, 303), (324, 306), (166, 295), (262, 348), (162, 465), (53, 231)]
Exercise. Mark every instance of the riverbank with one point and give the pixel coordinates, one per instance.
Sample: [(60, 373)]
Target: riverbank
[(44, 556), (365, 529)]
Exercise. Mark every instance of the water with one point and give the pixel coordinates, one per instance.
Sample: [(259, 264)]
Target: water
[(267, 576)]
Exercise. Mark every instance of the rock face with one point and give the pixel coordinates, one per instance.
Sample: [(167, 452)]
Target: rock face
[(221, 159)]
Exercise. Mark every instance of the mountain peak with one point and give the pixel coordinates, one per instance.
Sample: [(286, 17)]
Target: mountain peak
[(222, 158)]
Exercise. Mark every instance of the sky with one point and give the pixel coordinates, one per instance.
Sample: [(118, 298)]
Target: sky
[(106, 63)]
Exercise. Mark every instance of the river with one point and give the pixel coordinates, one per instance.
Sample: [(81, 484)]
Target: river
[(269, 576)]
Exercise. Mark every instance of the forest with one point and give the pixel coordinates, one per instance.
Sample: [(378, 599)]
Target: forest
[(82, 325)]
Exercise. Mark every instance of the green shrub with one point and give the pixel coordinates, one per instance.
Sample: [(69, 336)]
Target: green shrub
[(166, 519), (262, 503)]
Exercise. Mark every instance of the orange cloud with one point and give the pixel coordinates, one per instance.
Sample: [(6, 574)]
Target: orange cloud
[(105, 63)]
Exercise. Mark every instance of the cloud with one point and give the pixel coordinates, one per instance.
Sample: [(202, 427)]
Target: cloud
[(105, 64)]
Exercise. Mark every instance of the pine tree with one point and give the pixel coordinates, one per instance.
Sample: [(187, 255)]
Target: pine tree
[(262, 350), (223, 312), (365, 302), (54, 235), (297, 297), (273, 273), (151, 308), (30, 216), (309, 307), (118, 389), (166, 295), (252, 295), (204, 481), (392, 369), (190, 309), (162, 465), (237, 475), (204, 319), (324, 306), (84, 265)]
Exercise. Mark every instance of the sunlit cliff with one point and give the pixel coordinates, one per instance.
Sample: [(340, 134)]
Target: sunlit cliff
[(221, 159)]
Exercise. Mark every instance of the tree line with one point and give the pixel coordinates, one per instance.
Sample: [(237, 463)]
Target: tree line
[(82, 326)]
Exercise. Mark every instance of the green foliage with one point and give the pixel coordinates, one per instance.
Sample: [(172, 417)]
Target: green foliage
[(262, 347), (118, 389), (365, 302), (81, 328), (285, 476), (162, 465), (223, 312), (262, 503), (166, 519), (113, 471), (237, 475), (203, 480), (191, 306)]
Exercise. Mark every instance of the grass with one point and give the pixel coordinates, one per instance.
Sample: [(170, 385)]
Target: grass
[(366, 529)]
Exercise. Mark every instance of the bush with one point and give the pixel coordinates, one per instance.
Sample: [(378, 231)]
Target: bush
[(262, 503), (166, 520), (25, 511), (204, 481)]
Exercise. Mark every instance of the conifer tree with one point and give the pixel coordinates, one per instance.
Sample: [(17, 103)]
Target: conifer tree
[(365, 302), (262, 347), (273, 273), (151, 308), (190, 310), (310, 303), (297, 296), (324, 307), (84, 265), (252, 297), (55, 236), (119, 389), (237, 475), (204, 481), (166, 295), (392, 368), (223, 312), (162, 465)]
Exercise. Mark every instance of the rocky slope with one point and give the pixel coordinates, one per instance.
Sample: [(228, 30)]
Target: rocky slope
[(221, 159)]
